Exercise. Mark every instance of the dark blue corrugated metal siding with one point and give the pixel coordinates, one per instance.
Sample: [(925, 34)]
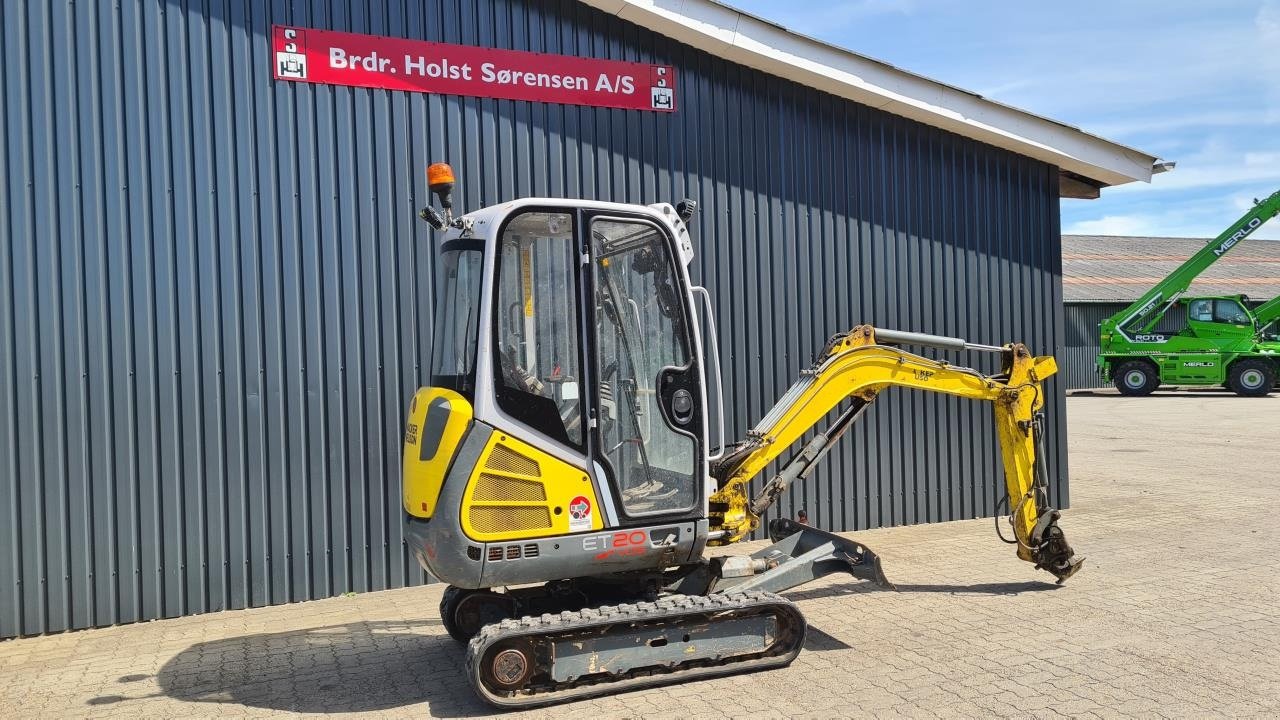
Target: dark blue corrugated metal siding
[(214, 287), (1078, 363)]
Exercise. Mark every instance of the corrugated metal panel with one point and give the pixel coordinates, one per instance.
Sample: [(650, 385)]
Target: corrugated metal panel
[(215, 288), (1079, 369), (1078, 363)]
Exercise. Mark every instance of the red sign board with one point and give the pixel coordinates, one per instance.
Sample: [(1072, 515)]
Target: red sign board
[(335, 58)]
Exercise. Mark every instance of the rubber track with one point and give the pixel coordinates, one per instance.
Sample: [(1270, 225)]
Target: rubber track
[(671, 606)]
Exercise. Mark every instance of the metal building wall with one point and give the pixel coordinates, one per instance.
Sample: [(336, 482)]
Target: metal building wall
[(1078, 363), (214, 290)]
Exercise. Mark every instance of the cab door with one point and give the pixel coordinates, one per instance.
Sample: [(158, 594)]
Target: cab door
[(646, 400), (1219, 318)]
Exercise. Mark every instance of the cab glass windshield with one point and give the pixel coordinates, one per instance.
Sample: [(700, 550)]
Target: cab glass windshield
[(640, 335)]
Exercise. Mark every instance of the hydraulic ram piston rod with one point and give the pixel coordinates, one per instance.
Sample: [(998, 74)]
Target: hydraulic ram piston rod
[(804, 462), (942, 342)]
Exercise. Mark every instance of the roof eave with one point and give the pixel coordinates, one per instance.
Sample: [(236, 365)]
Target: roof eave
[(765, 46)]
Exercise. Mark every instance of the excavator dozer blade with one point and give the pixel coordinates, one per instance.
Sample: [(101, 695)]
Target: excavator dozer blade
[(801, 554)]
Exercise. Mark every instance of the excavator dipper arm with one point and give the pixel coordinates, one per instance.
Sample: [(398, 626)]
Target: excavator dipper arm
[(855, 368)]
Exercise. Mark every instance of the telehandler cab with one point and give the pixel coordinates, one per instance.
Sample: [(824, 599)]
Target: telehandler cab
[(560, 472)]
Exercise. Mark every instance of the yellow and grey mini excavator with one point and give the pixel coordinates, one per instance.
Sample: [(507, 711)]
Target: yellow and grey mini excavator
[(560, 475)]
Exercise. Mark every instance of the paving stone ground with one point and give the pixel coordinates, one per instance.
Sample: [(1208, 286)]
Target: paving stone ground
[(1174, 501)]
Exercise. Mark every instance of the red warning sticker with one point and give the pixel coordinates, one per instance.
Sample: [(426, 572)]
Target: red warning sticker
[(579, 513)]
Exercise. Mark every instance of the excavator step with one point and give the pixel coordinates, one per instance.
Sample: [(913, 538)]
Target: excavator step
[(533, 661)]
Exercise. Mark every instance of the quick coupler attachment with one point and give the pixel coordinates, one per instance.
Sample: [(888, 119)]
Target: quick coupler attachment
[(1050, 550)]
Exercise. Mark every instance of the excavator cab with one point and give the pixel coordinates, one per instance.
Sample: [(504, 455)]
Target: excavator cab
[(567, 396)]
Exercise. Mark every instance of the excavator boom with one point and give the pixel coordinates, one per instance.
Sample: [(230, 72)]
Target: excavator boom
[(855, 367), (724, 616)]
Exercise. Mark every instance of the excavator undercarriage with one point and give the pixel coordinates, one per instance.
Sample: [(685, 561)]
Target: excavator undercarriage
[(550, 658)]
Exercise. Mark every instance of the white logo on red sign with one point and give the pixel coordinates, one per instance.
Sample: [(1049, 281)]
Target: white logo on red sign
[(661, 95), (291, 59), (580, 513)]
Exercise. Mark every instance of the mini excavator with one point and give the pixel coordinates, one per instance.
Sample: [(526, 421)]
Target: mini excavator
[(559, 472)]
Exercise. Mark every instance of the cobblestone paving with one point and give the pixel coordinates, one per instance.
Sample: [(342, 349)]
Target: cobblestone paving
[(1175, 504)]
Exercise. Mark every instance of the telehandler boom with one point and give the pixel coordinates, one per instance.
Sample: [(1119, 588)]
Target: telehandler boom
[(1265, 316), (558, 473)]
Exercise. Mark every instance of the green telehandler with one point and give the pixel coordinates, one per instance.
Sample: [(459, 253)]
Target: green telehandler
[(1223, 342)]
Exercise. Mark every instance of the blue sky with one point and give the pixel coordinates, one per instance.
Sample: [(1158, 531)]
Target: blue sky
[(1193, 82)]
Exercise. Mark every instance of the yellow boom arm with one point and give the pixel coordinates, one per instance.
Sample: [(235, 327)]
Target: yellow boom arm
[(854, 367)]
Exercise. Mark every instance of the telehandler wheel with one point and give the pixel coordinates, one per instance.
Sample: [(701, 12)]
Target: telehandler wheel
[(1136, 378), (1251, 377), (464, 612)]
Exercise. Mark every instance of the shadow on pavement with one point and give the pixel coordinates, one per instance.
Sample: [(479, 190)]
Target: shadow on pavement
[(817, 641), (356, 667), (1182, 392), (1014, 588), (374, 666), (858, 587)]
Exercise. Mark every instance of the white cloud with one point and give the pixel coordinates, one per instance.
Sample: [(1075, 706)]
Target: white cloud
[(1184, 120), (1112, 225), (1267, 23), (1193, 82), (1177, 214), (1098, 68), (1220, 160), (1242, 202), (1189, 176), (1160, 225), (995, 92)]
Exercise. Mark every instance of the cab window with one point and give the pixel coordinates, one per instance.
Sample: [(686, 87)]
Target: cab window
[(457, 318), (1201, 310), (1229, 311), (536, 326)]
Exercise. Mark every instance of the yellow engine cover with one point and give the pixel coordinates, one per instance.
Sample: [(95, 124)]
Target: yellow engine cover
[(438, 419), (517, 491)]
